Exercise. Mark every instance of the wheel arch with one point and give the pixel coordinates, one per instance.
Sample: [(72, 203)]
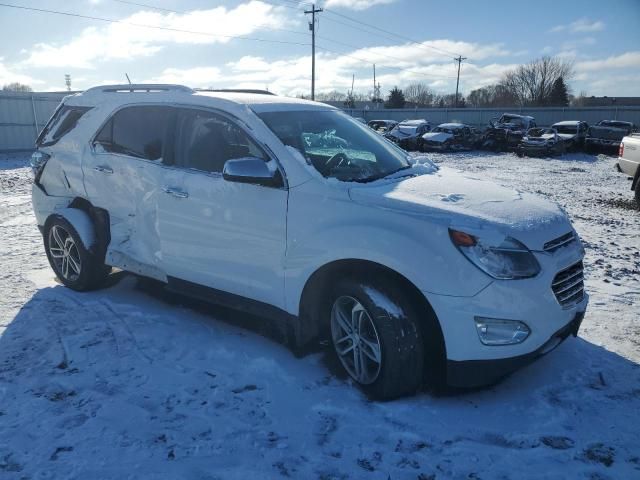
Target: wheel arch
[(317, 287), (80, 208)]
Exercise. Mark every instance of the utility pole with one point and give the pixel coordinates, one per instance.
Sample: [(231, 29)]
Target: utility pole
[(459, 60), (374, 84), (67, 81), (312, 27)]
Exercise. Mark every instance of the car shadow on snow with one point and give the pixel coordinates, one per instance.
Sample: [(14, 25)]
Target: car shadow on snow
[(132, 372)]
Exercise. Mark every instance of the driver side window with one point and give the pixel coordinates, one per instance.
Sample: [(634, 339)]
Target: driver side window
[(206, 140)]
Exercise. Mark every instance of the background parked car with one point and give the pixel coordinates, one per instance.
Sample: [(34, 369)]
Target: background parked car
[(541, 142), (506, 132), (408, 133), (382, 126), (572, 132), (607, 134), (450, 136)]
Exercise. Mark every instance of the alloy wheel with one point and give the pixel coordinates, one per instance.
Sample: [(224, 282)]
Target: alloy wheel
[(64, 253), (356, 340)]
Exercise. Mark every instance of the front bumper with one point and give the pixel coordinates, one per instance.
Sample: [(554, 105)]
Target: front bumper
[(531, 301), (475, 373)]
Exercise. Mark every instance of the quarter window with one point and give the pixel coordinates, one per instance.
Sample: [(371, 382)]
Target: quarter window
[(207, 140), (139, 132), (63, 121)]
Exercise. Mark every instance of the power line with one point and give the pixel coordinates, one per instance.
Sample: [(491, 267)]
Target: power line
[(391, 33), (140, 25)]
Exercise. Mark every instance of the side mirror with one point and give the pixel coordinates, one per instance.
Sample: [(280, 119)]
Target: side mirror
[(251, 170)]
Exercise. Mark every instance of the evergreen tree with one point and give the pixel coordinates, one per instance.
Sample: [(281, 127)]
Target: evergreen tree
[(559, 96), (396, 99)]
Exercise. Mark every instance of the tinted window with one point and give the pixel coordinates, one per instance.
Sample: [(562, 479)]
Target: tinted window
[(61, 123), (137, 131), (207, 140)]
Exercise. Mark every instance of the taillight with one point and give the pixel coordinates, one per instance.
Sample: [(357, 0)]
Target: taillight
[(38, 161), (621, 150)]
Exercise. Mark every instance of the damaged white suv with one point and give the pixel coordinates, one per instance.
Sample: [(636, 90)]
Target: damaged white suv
[(292, 210)]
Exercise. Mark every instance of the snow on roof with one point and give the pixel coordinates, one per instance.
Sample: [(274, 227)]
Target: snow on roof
[(413, 122), (568, 123), (453, 125)]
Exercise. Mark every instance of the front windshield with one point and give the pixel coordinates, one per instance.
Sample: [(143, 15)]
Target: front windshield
[(442, 130), (336, 145), (570, 129)]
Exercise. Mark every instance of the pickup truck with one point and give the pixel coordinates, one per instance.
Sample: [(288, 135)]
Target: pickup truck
[(629, 161), (607, 134)]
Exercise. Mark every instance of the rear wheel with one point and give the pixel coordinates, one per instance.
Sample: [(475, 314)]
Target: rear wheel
[(377, 338), (638, 193), (75, 266)]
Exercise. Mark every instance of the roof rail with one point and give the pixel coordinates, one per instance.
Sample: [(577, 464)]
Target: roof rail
[(139, 88), (235, 90)]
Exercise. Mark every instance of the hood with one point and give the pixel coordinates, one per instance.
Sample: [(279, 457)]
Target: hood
[(437, 136), (541, 139), (567, 136), (402, 132), (450, 198)]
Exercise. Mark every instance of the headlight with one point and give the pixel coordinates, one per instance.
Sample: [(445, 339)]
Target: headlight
[(509, 260)]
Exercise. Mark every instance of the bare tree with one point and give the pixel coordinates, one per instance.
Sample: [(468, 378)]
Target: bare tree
[(17, 87), (492, 96), (532, 83), (419, 95), (332, 96)]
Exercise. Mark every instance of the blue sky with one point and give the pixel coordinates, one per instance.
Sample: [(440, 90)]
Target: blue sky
[(601, 38)]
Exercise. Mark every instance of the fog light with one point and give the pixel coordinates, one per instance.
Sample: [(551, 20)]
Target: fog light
[(493, 331)]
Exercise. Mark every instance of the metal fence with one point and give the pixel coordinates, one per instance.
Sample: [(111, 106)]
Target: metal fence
[(481, 116), (22, 116)]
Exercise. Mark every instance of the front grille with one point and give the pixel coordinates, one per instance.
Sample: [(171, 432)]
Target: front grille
[(556, 243), (568, 285)]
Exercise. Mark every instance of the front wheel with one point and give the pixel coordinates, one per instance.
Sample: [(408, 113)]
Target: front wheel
[(75, 266), (377, 338), (638, 193)]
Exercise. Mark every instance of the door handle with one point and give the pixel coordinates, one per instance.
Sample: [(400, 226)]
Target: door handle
[(176, 192), (103, 169)]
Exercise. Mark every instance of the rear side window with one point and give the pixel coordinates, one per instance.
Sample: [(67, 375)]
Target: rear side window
[(140, 132), (62, 122)]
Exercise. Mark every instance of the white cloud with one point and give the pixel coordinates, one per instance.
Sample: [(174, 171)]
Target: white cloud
[(628, 60), (582, 25), (196, 77), (9, 75), (356, 4), (121, 41)]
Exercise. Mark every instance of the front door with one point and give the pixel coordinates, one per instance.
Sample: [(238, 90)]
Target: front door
[(220, 234)]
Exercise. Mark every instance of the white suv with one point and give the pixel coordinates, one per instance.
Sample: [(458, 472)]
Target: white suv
[(292, 210)]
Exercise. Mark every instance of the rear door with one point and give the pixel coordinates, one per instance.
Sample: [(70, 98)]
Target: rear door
[(121, 175), (220, 234)]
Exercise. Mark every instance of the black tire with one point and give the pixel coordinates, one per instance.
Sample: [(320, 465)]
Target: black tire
[(638, 193), (92, 270), (397, 326)]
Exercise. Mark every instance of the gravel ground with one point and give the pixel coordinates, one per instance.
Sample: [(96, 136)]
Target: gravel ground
[(126, 383)]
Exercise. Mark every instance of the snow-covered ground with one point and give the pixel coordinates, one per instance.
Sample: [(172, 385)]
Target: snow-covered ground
[(128, 383)]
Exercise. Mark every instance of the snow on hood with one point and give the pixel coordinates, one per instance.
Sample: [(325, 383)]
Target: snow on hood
[(477, 206), (567, 136), (437, 136)]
